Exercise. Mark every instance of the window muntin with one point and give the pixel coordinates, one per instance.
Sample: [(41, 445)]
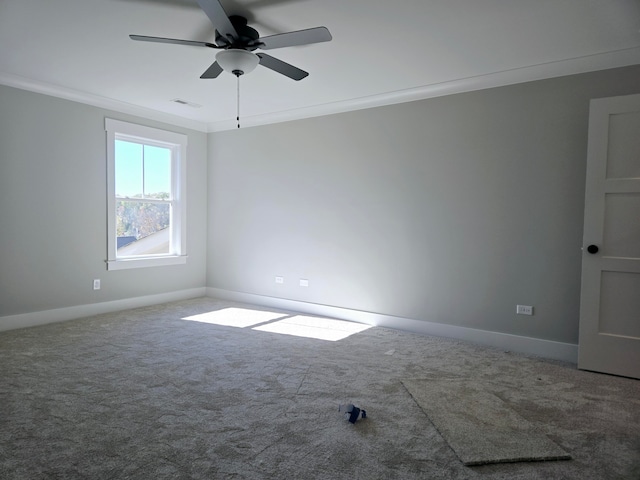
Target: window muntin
[(146, 190)]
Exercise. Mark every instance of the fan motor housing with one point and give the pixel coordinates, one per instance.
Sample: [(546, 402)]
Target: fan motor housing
[(247, 37)]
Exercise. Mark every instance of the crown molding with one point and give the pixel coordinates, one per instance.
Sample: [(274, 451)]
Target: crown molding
[(98, 101), (588, 63)]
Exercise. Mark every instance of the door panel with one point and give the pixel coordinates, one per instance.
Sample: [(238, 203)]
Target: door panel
[(619, 304), (621, 233), (624, 146), (610, 296)]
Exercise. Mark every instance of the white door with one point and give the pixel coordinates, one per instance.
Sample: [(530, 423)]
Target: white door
[(610, 297)]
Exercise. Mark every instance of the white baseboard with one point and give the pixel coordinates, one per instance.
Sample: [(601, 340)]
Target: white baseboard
[(532, 346), (33, 319)]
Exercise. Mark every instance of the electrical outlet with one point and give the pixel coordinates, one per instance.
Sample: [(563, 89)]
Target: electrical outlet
[(96, 284), (304, 282), (280, 280), (524, 309)]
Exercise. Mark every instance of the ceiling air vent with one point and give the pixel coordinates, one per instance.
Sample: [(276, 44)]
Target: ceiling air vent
[(184, 102)]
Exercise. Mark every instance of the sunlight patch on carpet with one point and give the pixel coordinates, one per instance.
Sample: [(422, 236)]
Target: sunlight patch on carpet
[(314, 327), (235, 317)]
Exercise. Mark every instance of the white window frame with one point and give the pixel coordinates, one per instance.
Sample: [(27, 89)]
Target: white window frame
[(177, 143)]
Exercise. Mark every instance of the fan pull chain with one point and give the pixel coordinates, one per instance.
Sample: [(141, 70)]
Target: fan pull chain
[(238, 105)]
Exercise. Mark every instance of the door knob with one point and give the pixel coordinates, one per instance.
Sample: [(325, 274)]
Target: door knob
[(592, 249)]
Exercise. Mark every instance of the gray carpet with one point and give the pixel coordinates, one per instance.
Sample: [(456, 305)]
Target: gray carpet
[(480, 427), (146, 394)]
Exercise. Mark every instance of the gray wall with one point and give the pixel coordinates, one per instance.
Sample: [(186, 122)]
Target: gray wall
[(53, 208), (451, 210)]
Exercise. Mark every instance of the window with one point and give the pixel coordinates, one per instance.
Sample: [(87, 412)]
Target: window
[(146, 186)]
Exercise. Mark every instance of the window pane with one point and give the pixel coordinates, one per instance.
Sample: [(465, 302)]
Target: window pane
[(142, 228), (157, 172), (128, 164), (146, 183)]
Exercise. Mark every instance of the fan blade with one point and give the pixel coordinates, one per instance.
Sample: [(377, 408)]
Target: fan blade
[(281, 67), (143, 38), (301, 37), (213, 71), (218, 17)]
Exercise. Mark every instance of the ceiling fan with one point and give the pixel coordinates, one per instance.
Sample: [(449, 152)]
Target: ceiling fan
[(238, 41)]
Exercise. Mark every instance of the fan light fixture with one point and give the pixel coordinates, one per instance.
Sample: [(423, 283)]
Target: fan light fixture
[(237, 61)]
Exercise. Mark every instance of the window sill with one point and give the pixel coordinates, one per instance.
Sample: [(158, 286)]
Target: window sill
[(123, 264)]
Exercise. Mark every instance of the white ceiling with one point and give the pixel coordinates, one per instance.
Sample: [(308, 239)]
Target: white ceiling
[(382, 52)]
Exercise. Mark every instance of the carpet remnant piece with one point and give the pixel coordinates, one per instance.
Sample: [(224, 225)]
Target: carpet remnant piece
[(479, 426)]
